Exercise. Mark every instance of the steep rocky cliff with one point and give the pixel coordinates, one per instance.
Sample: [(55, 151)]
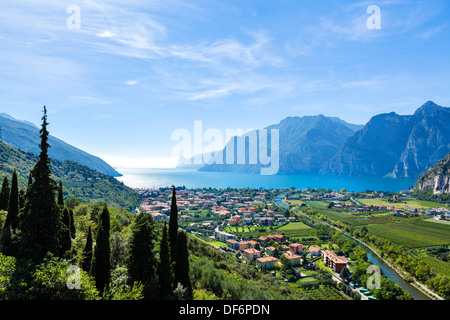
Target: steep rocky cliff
[(437, 177)]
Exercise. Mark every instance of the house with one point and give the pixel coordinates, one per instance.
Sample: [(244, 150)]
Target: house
[(223, 236), (251, 254), (335, 262), (291, 219), (266, 262), (263, 239), (314, 251), (266, 221), (233, 244), (248, 221), (277, 237), (270, 251), (244, 245), (252, 243), (293, 259), (296, 248)]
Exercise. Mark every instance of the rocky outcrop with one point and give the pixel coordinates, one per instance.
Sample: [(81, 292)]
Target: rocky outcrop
[(437, 177)]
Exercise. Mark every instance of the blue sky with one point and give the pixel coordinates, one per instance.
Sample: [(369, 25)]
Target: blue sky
[(135, 71)]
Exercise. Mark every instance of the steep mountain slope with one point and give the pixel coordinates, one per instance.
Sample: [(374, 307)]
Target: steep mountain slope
[(24, 135), (305, 143), (395, 145), (78, 181), (436, 178)]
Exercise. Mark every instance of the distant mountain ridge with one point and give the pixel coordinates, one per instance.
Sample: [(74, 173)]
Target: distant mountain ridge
[(305, 143), (392, 145), (400, 146), (24, 135)]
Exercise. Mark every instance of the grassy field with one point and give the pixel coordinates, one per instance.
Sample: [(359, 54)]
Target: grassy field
[(295, 229), (413, 234), (419, 204), (296, 202)]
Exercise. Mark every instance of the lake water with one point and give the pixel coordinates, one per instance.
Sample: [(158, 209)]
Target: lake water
[(155, 178)]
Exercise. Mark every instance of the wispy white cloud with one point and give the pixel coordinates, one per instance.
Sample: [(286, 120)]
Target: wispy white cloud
[(131, 82)]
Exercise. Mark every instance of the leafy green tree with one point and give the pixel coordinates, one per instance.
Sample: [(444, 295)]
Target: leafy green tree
[(165, 271), (4, 194), (344, 274), (51, 279), (141, 261), (42, 218), (101, 262), (173, 224), (181, 266)]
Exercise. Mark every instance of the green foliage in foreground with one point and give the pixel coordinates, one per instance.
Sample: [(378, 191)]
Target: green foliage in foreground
[(24, 280)]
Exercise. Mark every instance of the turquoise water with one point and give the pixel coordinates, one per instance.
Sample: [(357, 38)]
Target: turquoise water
[(155, 178)]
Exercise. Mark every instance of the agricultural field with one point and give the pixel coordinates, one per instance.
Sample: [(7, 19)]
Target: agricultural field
[(295, 229), (296, 202), (419, 204), (316, 204), (441, 267), (413, 234), (325, 293)]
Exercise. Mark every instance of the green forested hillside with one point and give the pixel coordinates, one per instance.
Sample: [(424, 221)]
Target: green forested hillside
[(79, 181)]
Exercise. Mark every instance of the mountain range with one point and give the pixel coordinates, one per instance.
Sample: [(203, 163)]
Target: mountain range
[(24, 135), (400, 146), (305, 144)]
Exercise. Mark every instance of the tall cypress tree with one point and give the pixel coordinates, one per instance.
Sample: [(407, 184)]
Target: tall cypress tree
[(87, 253), (60, 195), (165, 272), (7, 245), (41, 221), (72, 224), (4, 194), (65, 239), (13, 203), (141, 261), (101, 262), (173, 224), (181, 266)]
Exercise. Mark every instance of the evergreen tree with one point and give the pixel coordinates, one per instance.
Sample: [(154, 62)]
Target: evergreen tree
[(60, 195), (101, 262), (181, 266), (4, 194), (7, 245), (173, 224), (87, 252), (30, 180), (65, 239), (142, 262), (13, 203), (72, 224), (41, 221), (165, 272)]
